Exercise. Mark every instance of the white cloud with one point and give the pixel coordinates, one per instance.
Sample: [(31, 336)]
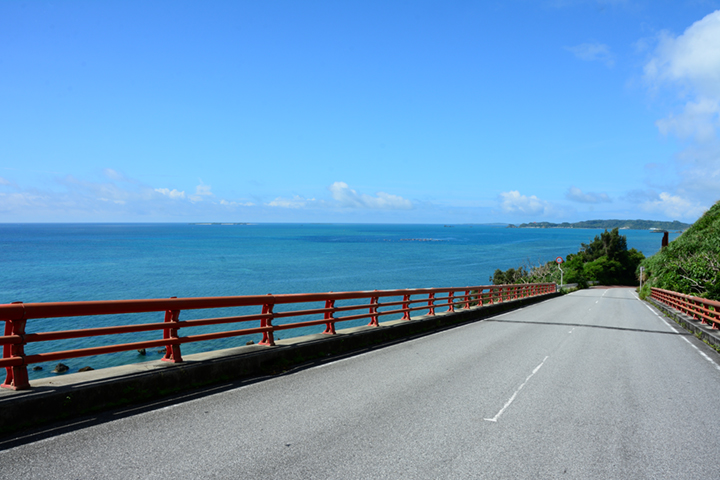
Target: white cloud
[(4, 181), (201, 191), (591, 52), (174, 194), (690, 63), (577, 195), (699, 120), (346, 197), (349, 198), (688, 66), (514, 202), (119, 198), (692, 58), (296, 202), (236, 204), (674, 206)]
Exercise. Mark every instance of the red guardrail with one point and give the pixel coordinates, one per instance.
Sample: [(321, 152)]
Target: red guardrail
[(16, 316), (707, 311)]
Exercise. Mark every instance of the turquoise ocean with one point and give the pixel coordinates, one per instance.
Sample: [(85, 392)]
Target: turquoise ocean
[(76, 262)]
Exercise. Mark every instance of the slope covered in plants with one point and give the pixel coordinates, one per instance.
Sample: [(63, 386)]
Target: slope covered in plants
[(691, 263)]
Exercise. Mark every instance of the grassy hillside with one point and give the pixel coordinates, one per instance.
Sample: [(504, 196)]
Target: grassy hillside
[(691, 263)]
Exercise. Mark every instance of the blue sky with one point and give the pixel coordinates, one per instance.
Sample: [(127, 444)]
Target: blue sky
[(388, 111)]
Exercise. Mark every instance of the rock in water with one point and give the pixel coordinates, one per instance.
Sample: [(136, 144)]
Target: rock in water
[(86, 369), (61, 368), (250, 343), (37, 368), (142, 351)]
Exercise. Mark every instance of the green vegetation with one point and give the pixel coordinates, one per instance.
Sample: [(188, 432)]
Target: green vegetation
[(610, 224), (606, 260), (691, 263)]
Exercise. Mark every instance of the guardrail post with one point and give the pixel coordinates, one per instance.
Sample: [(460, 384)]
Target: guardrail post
[(268, 336), (172, 351), (695, 307), (406, 306), (467, 299), (451, 301), (329, 326), (373, 312), (431, 304), (16, 376)]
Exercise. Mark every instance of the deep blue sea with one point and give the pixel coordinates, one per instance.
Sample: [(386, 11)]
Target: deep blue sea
[(75, 262)]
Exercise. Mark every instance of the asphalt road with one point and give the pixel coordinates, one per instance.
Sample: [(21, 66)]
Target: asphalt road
[(589, 385)]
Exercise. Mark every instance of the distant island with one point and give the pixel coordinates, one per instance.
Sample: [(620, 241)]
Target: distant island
[(610, 224)]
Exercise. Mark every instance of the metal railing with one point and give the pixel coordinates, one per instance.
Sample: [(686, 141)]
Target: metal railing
[(702, 309), (363, 305)]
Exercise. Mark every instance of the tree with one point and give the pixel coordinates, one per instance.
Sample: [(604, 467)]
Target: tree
[(605, 260)]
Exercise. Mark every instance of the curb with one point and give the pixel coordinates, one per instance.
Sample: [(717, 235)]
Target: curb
[(703, 332)]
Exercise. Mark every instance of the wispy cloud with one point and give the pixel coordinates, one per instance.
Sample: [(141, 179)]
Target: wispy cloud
[(114, 197), (593, 52), (576, 195)]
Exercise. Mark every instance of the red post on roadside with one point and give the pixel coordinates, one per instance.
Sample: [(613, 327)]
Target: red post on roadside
[(406, 306), (373, 312), (431, 304), (16, 376), (268, 336), (172, 350), (329, 326)]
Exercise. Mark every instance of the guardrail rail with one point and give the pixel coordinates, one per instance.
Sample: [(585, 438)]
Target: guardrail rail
[(702, 309), (365, 305)]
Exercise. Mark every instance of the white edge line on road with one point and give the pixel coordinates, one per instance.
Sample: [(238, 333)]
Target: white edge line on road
[(704, 355), (512, 399)]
